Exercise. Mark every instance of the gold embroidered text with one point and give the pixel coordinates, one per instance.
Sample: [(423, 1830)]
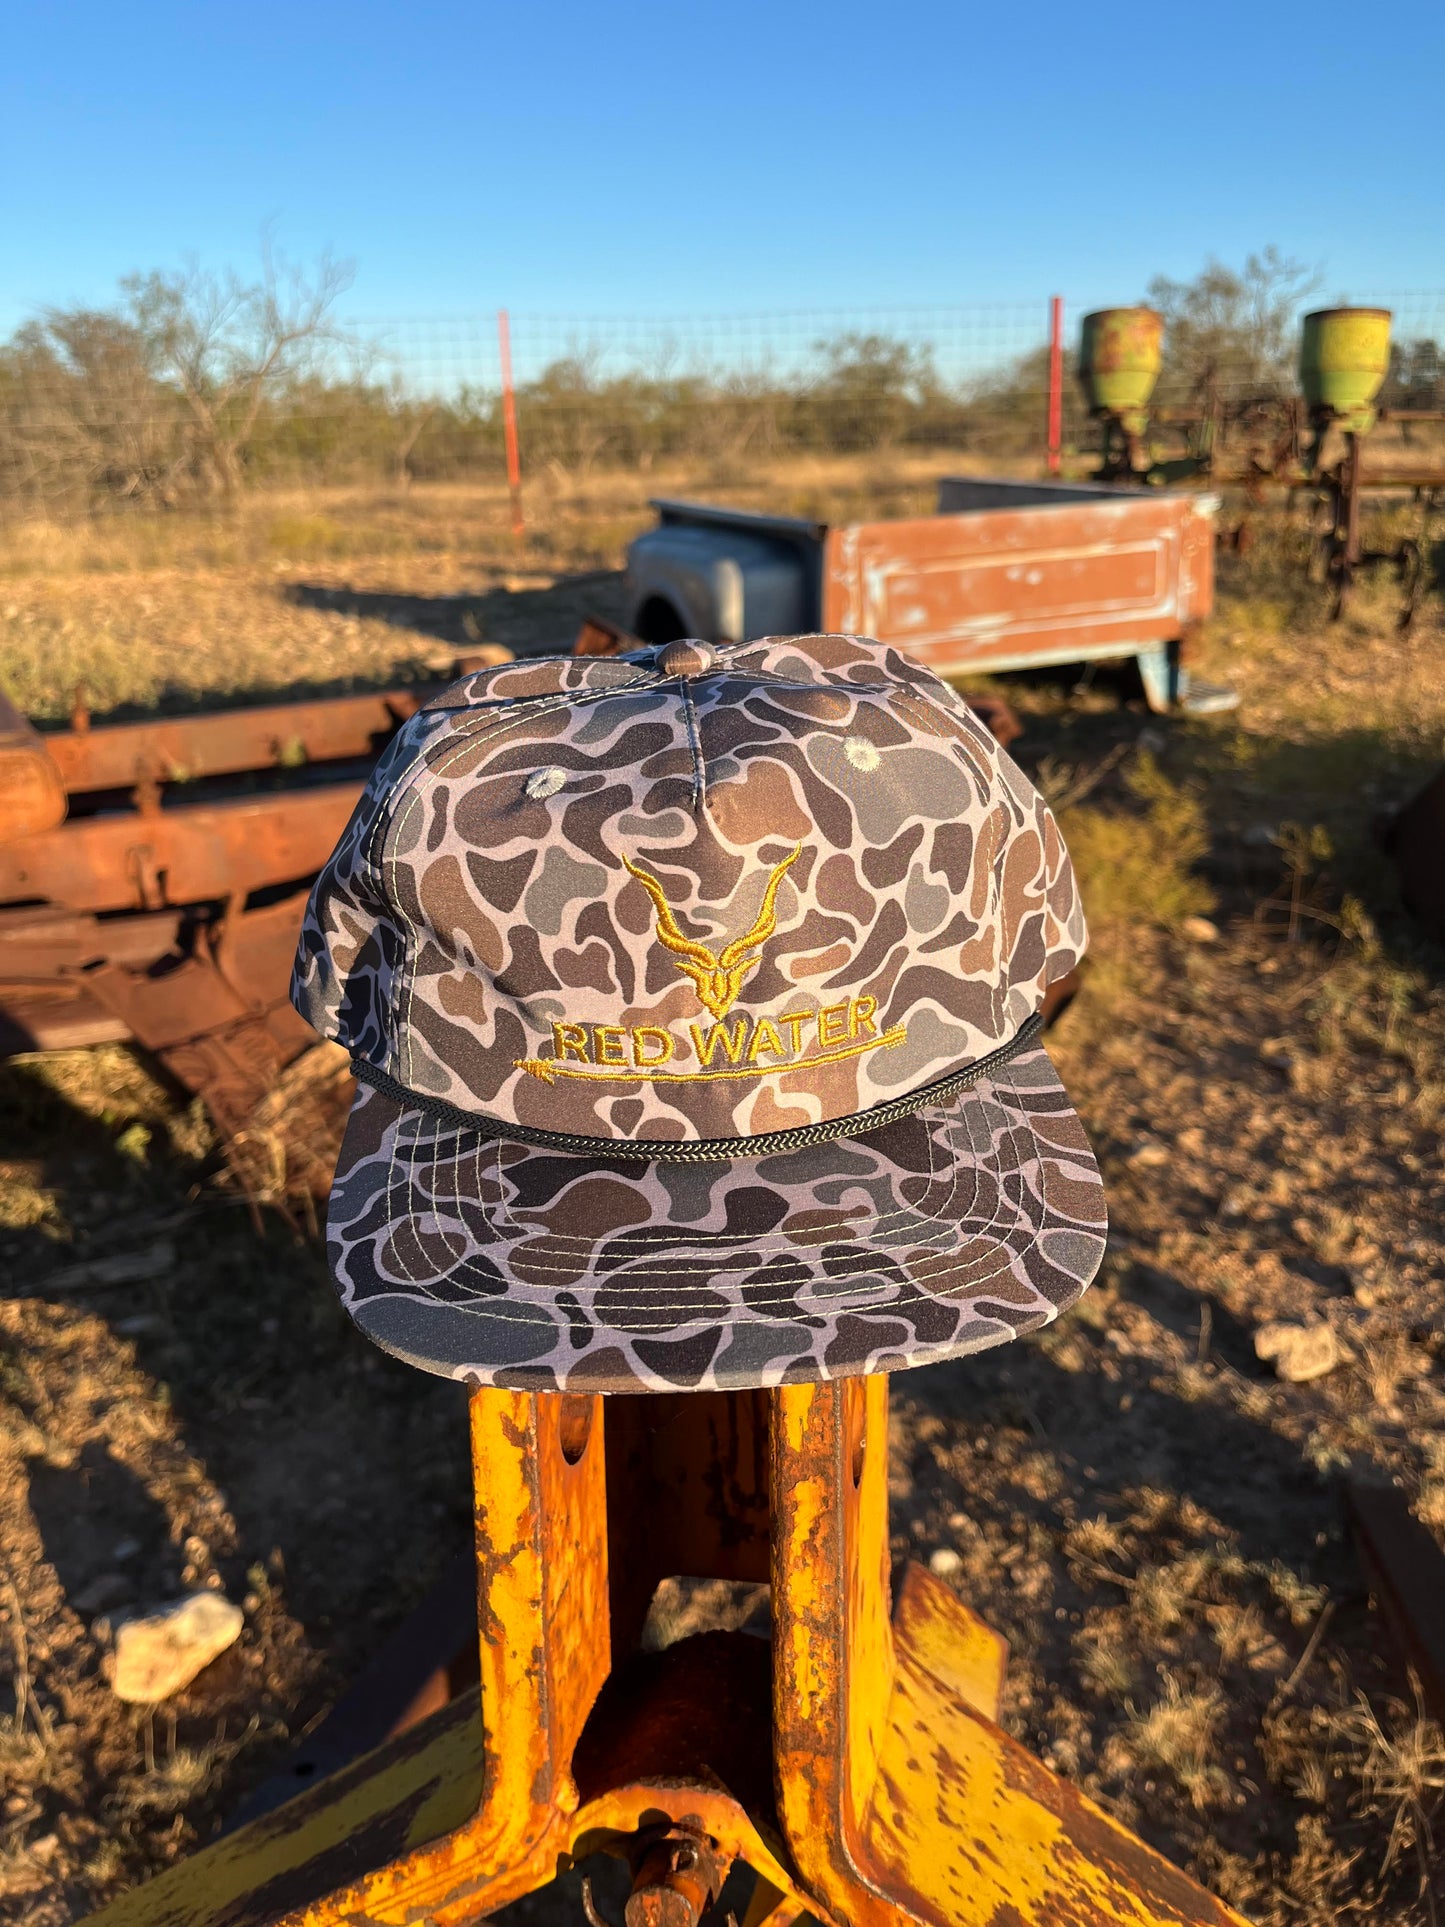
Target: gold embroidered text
[(742, 1047)]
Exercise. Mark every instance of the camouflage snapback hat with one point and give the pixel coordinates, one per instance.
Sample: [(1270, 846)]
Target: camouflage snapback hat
[(694, 998)]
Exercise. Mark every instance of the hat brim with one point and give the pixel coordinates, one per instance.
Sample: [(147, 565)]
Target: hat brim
[(952, 1229)]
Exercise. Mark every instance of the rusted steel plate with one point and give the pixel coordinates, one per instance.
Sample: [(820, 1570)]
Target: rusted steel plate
[(175, 1007), (949, 1641), (57, 1016), (428, 1661), (186, 748), (1416, 840), (1066, 582), (219, 1019), (967, 1817), (142, 861), (208, 997), (39, 943), (44, 1002), (1406, 1571)]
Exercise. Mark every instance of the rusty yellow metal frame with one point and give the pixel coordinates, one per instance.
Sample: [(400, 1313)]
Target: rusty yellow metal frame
[(861, 1774)]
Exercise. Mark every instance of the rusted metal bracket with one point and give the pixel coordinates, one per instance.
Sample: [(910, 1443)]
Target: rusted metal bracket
[(852, 1761), (198, 1019), (677, 1874)]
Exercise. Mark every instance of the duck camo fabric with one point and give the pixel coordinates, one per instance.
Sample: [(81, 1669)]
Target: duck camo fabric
[(647, 966)]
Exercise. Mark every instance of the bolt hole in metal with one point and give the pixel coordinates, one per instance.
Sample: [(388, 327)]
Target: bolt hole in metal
[(575, 1425)]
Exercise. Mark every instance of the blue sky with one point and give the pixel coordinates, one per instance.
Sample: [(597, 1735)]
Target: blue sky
[(695, 158)]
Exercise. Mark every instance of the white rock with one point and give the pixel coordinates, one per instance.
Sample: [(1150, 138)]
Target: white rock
[(945, 1561), (157, 1653), (1297, 1352), (1200, 930), (1150, 1154)]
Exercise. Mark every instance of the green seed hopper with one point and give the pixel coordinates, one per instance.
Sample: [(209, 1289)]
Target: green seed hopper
[(1120, 353), (1344, 358)]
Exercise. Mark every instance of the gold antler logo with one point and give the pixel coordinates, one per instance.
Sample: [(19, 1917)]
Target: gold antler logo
[(717, 975)]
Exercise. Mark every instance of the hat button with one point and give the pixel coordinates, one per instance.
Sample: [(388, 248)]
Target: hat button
[(687, 658)]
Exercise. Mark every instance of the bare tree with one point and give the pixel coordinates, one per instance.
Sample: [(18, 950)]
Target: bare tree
[(227, 346), (81, 417), (1232, 330)]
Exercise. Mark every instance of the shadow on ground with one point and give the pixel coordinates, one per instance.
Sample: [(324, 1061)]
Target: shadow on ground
[(187, 1399), (530, 621)]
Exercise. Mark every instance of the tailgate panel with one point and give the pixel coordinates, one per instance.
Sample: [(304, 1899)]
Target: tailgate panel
[(1005, 587), (940, 597)]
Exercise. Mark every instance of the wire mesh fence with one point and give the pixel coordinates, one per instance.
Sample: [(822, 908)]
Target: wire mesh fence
[(103, 409), (598, 391)]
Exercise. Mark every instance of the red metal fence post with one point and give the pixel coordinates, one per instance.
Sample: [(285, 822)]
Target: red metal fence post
[(1056, 382), (509, 424)]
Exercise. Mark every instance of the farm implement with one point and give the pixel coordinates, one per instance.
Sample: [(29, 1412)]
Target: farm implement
[(1311, 444), (153, 876), (850, 1757)]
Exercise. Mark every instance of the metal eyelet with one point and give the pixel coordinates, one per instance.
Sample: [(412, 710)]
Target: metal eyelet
[(543, 783)]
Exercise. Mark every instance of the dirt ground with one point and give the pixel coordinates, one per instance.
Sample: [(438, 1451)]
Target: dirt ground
[(1151, 1517)]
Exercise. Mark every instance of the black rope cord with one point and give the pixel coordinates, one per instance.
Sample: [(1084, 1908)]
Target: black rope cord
[(707, 1150)]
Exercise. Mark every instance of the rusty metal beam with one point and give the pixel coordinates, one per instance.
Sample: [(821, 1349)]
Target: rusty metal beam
[(187, 748), (131, 921), (137, 860)]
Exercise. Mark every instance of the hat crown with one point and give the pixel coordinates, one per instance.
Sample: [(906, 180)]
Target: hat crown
[(774, 884)]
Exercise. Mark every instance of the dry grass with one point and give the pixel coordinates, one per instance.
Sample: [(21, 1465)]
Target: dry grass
[(1178, 1734), (161, 611), (1149, 1516)]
